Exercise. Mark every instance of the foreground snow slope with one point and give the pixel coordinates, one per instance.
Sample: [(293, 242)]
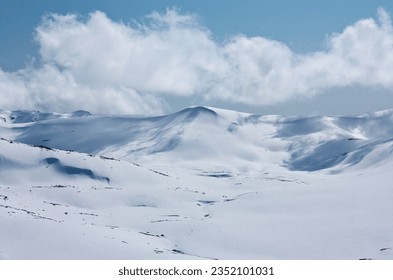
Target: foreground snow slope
[(201, 183)]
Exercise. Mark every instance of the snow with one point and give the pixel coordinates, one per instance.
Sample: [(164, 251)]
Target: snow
[(203, 183)]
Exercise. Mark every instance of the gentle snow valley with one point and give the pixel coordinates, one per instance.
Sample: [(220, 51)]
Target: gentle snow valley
[(203, 183)]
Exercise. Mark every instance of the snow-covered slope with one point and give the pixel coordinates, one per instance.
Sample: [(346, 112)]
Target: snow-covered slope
[(200, 183), (298, 143)]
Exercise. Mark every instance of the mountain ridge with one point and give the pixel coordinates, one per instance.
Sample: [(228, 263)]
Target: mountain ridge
[(304, 143)]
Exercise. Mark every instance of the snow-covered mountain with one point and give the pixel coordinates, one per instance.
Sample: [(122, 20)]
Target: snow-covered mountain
[(200, 183)]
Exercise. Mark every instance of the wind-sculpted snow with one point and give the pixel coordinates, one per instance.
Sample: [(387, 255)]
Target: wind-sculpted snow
[(203, 183), (72, 170)]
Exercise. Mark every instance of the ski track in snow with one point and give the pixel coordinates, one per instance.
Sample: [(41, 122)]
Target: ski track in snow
[(203, 183)]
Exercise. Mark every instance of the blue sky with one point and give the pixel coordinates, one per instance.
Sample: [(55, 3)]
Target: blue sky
[(305, 28)]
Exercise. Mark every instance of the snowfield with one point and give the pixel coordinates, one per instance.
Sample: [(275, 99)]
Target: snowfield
[(203, 183)]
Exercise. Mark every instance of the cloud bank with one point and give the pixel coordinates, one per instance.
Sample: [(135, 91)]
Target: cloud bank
[(104, 66)]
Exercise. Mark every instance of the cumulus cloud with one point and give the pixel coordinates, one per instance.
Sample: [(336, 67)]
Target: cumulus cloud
[(50, 89), (105, 66)]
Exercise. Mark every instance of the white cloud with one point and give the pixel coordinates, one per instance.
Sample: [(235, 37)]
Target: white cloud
[(170, 56), (50, 89), (105, 66)]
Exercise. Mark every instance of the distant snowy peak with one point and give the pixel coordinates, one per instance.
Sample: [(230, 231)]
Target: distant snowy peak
[(198, 111), (81, 113), (26, 116)]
